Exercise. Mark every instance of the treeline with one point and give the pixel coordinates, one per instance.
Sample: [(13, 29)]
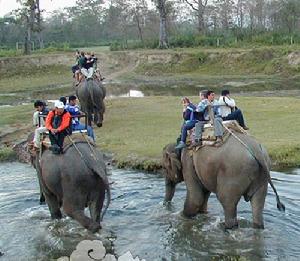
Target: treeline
[(154, 23)]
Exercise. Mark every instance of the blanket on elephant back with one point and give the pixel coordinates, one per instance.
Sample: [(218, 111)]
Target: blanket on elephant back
[(70, 141), (208, 137)]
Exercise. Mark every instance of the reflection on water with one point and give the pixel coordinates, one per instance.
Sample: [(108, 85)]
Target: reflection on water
[(138, 221), (130, 93)]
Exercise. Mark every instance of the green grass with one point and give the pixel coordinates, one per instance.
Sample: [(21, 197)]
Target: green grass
[(136, 129), (7, 154), (139, 128)]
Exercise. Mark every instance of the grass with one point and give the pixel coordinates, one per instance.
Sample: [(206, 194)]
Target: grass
[(139, 128), (136, 129)]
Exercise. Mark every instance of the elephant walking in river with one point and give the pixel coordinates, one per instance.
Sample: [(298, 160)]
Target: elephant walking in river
[(74, 180), (230, 171), (91, 94)]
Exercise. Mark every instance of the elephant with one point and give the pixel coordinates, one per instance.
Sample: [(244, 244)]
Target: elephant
[(91, 94), (240, 167), (74, 180)]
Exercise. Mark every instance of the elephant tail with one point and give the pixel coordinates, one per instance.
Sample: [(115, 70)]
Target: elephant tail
[(263, 164), (100, 171)]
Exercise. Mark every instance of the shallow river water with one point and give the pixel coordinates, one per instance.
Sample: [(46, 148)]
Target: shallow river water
[(138, 221)]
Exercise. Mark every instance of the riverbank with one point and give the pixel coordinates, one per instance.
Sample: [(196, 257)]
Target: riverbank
[(136, 129)]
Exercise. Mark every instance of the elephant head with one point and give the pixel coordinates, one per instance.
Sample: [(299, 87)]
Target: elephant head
[(173, 170)]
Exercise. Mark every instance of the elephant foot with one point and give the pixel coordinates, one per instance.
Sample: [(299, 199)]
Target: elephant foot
[(99, 124), (94, 227), (231, 224), (56, 215), (258, 226)]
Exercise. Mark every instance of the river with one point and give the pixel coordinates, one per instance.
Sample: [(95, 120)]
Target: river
[(138, 221)]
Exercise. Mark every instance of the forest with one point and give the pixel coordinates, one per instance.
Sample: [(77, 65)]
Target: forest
[(130, 24)]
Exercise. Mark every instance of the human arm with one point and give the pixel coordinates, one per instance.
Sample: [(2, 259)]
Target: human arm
[(48, 123), (229, 102)]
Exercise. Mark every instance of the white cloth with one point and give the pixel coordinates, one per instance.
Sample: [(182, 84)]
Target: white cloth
[(37, 136), (226, 105), (87, 73), (37, 120)]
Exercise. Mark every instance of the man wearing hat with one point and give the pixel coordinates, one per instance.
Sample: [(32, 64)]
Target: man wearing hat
[(58, 123)]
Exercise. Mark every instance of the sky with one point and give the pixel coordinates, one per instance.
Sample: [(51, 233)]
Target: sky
[(7, 6)]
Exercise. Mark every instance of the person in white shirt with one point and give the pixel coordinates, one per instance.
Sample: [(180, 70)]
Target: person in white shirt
[(229, 111)]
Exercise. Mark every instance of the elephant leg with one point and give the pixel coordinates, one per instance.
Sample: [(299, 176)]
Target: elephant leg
[(257, 204), (229, 203), (196, 199), (96, 205), (203, 208), (53, 205), (77, 212)]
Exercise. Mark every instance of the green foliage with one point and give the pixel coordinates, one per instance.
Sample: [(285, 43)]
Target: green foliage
[(7, 154)]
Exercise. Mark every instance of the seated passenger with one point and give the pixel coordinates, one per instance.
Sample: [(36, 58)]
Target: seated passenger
[(78, 75), (75, 67), (190, 120), (87, 66), (74, 110), (96, 69), (209, 108), (58, 123), (63, 99), (39, 122), (228, 111)]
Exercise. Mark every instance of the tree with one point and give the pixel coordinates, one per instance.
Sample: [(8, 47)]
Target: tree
[(27, 16), (161, 6), (199, 6)]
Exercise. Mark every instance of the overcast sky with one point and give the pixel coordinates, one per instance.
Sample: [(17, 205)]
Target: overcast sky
[(7, 6)]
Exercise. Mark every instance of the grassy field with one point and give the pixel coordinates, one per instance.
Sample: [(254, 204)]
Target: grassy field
[(136, 129)]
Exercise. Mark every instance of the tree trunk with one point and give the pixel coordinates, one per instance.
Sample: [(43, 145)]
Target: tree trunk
[(39, 24), (201, 26), (30, 25), (163, 38), (137, 18)]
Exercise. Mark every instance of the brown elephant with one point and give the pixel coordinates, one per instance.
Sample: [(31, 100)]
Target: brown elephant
[(74, 180), (91, 94), (230, 171)]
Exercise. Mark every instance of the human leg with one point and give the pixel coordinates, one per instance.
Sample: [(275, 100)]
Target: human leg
[(37, 136), (185, 127)]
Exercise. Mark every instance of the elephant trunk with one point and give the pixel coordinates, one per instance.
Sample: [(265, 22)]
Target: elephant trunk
[(170, 190)]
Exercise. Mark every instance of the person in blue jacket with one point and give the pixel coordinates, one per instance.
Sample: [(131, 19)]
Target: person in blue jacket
[(190, 119), (74, 110)]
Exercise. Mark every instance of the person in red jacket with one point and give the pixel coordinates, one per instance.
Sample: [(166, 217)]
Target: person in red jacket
[(58, 123)]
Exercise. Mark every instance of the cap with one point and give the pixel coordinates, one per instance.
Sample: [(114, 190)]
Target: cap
[(59, 104)]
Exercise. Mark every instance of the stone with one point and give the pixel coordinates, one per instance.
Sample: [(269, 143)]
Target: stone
[(109, 257), (63, 258), (88, 250)]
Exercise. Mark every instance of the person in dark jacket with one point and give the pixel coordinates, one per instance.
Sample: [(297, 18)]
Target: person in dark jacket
[(190, 119)]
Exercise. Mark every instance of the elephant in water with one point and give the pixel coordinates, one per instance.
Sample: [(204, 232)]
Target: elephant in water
[(91, 94), (230, 171), (74, 180)]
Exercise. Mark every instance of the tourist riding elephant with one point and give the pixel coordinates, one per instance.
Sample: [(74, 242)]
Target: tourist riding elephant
[(74, 180), (91, 94), (240, 167)]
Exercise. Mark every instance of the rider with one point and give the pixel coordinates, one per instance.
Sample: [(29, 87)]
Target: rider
[(74, 110), (190, 119), (58, 123), (87, 68), (210, 109), (38, 121), (229, 111)]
